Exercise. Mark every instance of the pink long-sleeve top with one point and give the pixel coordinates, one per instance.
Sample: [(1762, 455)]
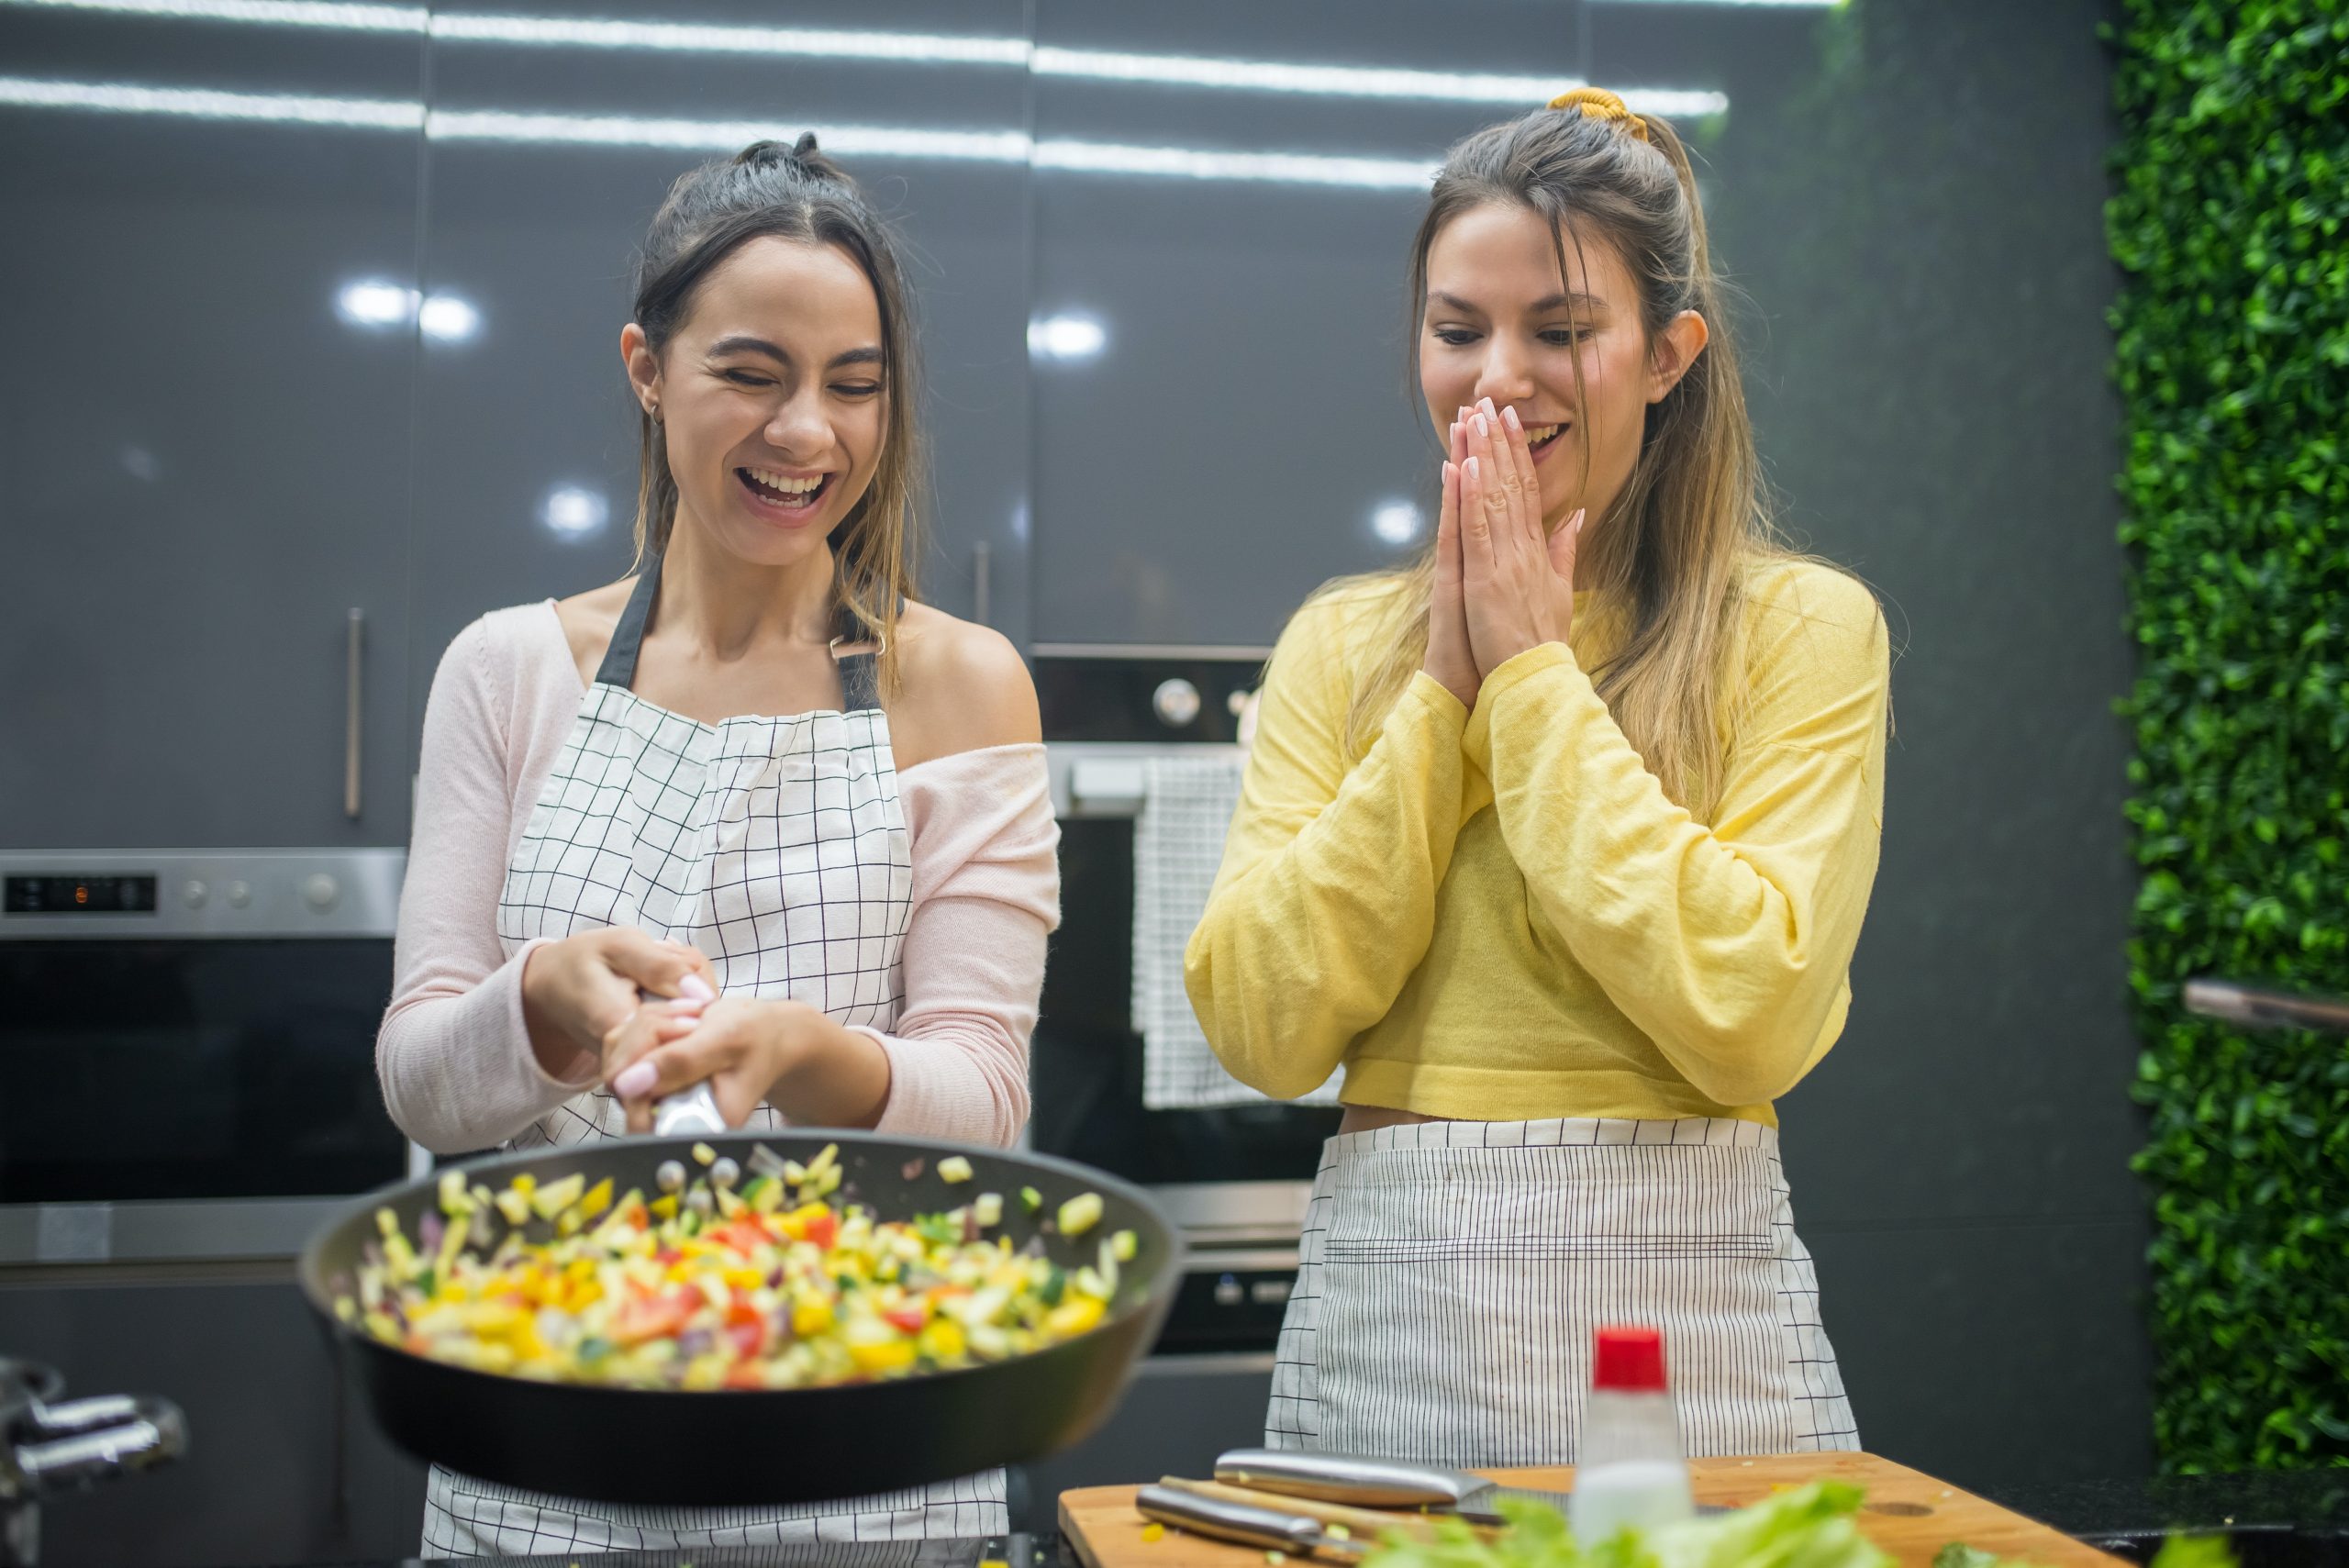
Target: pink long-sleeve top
[(453, 1056)]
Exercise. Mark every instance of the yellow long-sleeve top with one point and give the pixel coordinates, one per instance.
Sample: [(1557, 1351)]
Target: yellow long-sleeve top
[(1499, 915)]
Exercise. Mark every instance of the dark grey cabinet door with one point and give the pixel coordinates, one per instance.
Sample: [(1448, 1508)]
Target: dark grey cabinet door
[(1243, 430), (282, 1464), (207, 293), (548, 159)]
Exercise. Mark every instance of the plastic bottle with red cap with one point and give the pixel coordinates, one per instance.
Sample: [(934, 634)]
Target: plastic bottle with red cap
[(1629, 1470)]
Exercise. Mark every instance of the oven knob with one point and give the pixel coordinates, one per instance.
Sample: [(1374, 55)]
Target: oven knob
[(239, 895), (193, 893), (1176, 703), (319, 892)]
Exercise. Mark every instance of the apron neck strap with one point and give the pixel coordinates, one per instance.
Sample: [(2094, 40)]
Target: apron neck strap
[(619, 668), (860, 672)]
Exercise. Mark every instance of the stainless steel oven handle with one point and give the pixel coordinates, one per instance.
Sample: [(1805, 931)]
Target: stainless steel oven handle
[(353, 654)]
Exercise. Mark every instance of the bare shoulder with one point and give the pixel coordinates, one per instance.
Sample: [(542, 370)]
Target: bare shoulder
[(588, 620), (963, 687)]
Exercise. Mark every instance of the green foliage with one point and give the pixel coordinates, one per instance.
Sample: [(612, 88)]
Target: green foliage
[(2232, 226)]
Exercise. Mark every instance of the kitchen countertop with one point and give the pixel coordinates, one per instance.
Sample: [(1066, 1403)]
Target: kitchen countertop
[(2108, 1512)]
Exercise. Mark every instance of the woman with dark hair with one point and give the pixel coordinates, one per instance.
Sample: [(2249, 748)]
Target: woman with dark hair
[(751, 818), (1559, 841)]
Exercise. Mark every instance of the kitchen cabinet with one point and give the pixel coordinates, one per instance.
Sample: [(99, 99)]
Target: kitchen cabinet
[(1178, 1413), (1239, 428), (213, 319), (282, 1464), (526, 465)]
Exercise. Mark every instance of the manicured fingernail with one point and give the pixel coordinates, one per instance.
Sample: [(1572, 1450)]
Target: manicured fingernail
[(1508, 418), (697, 988), (1482, 429), (1469, 469), (635, 1082), (1485, 404)]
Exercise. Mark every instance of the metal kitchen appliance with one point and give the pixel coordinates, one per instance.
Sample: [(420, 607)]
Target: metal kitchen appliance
[(189, 1049), (51, 1445), (1234, 1178)]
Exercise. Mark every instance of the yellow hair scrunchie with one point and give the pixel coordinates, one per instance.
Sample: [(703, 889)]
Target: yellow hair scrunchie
[(1598, 104)]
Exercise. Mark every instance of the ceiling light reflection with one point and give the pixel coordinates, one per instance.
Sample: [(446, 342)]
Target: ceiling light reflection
[(927, 48), (1396, 523), (374, 303), (447, 317), (575, 512), (1066, 337)]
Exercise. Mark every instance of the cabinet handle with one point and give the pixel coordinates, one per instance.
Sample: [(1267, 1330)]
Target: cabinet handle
[(982, 574), (352, 658)]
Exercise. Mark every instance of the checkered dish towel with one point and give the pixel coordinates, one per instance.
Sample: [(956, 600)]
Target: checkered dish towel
[(1178, 843)]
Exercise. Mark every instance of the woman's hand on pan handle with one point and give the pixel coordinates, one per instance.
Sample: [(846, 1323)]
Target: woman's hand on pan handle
[(1517, 579), (815, 1072), (1449, 658), (577, 993)]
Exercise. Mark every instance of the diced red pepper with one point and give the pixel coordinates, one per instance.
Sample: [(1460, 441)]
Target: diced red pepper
[(824, 1229), (742, 1374), (909, 1317), (646, 1318), (739, 1234)]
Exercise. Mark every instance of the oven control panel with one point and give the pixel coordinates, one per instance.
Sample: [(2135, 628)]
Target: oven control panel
[(83, 894)]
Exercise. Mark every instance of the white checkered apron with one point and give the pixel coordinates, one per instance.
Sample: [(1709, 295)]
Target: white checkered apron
[(1452, 1272), (776, 846)]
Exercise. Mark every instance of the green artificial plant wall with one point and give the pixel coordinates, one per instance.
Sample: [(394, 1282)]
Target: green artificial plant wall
[(2232, 228)]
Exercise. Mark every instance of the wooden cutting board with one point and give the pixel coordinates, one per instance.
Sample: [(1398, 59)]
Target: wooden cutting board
[(1908, 1513)]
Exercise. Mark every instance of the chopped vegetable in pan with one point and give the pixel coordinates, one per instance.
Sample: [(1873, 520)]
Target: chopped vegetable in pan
[(777, 1284)]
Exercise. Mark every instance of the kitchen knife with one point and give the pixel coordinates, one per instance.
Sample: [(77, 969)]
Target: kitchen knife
[(1246, 1526), (1375, 1482)]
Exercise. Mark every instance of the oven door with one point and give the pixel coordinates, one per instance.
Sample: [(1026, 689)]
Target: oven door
[(193, 1056), (1235, 1178)]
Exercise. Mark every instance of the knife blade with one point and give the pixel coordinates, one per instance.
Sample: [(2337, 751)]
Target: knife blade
[(1375, 1482), (1238, 1522)]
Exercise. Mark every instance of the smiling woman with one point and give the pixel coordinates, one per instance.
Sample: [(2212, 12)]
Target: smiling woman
[(1577, 816), (753, 818)]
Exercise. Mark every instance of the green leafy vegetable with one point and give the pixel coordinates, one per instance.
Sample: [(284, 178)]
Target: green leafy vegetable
[(1811, 1526), (1957, 1554)]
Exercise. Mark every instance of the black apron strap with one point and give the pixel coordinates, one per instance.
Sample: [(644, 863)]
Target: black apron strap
[(619, 668), (860, 672)]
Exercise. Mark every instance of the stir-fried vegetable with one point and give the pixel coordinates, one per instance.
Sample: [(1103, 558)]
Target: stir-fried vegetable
[(777, 1284)]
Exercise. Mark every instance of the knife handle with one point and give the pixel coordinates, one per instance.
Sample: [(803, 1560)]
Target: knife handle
[(1247, 1526), (1365, 1483), (1364, 1524)]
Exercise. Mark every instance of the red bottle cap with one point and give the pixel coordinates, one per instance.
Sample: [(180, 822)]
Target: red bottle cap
[(1628, 1359)]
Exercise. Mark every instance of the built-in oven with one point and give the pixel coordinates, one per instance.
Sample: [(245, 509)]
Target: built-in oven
[(1236, 1177), (187, 1051)]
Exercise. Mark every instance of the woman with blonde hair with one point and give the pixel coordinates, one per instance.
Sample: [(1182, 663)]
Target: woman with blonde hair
[(750, 818), (1559, 843)]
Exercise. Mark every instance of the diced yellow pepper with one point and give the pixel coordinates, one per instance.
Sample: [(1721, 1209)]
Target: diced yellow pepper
[(1075, 1315), (882, 1355), (942, 1341), (665, 1206), (599, 1199), (1153, 1531), (810, 1315)]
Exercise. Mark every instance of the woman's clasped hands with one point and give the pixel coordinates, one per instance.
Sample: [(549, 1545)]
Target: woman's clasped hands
[(1503, 584)]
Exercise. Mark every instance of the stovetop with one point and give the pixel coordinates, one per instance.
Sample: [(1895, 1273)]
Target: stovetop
[(964, 1551)]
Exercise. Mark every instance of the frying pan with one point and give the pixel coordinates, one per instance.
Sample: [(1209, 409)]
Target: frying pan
[(726, 1446)]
